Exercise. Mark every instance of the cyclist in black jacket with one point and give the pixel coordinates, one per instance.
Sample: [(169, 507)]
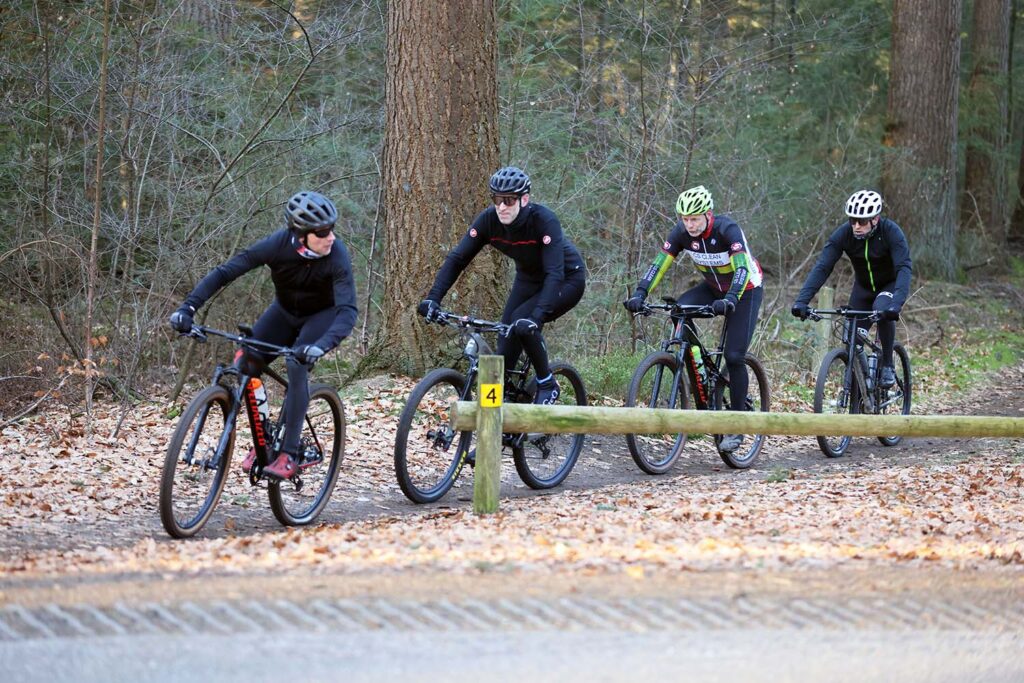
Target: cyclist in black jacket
[(882, 270), (732, 283), (313, 311), (550, 275)]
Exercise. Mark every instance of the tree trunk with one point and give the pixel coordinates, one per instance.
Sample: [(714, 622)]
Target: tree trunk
[(919, 174), (440, 147), (985, 205)]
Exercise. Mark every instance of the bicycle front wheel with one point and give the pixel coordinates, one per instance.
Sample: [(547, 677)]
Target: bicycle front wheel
[(196, 463), (545, 460), (896, 399), (758, 399), (299, 500), (833, 397), (429, 453), (651, 387)]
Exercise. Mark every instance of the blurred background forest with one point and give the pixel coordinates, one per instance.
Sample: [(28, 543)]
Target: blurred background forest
[(143, 142)]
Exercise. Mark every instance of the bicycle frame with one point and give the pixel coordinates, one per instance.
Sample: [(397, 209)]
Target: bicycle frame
[(855, 340), (242, 394), (473, 329), (685, 336)]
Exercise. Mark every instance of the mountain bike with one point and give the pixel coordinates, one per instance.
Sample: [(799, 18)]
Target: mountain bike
[(196, 465), (683, 368), (844, 386), (430, 454)]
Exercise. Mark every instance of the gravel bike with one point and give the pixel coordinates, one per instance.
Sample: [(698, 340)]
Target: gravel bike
[(844, 386), (196, 465), (683, 368), (430, 453)]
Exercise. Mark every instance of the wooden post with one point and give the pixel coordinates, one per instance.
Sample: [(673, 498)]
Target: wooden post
[(601, 420), (823, 329), (487, 471)]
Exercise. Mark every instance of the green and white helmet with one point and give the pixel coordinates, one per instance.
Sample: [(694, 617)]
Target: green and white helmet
[(694, 202)]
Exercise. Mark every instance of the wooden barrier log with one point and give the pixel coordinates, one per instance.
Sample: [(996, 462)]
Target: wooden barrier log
[(518, 417)]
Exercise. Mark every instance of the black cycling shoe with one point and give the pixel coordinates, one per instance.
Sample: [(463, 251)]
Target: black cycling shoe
[(888, 378)]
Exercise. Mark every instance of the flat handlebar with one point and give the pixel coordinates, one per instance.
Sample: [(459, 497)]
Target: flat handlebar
[(466, 322), (200, 333), (844, 312)]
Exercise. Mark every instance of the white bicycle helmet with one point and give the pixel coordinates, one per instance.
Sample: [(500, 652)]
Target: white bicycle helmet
[(864, 204)]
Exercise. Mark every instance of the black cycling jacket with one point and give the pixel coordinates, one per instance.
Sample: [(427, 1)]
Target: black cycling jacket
[(303, 285), (535, 242), (879, 261)]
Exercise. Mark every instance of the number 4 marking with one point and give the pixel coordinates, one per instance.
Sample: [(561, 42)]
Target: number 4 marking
[(490, 395)]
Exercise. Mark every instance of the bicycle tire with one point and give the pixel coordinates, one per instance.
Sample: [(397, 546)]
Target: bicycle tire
[(760, 401), (426, 464), (828, 394), (181, 477), (321, 450), (656, 453), (537, 458), (903, 389)]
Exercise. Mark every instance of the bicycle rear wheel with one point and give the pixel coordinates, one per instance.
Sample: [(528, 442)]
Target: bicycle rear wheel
[(196, 463), (429, 453), (545, 460), (651, 387), (896, 399), (299, 500), (758, 399), (831, 397)]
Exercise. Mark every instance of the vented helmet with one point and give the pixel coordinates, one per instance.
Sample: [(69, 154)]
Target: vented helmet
[(864, 204), (694, 202), (510, 180), (307, 211)]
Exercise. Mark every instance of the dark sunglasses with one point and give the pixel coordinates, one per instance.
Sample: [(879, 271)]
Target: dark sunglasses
[(322, 232), (504, 199), (861, 221)]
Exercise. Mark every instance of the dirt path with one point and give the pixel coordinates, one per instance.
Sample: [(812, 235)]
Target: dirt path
[(366, 488)]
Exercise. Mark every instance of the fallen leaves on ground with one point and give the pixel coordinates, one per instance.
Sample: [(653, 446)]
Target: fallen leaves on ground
[(960, 511)]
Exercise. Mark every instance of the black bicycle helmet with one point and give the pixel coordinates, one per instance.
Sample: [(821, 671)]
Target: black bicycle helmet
[(510, 180), (307, 211)]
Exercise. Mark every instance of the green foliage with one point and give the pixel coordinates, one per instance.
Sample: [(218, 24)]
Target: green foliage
[(609, 374)]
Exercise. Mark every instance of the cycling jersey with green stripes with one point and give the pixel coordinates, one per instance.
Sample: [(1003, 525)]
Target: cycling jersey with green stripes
[(721, 254)]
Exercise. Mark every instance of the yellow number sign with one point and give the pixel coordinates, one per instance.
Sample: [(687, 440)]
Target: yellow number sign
[(490, 395)]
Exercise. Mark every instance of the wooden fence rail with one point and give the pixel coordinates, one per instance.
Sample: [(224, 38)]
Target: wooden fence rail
[(518, 417)]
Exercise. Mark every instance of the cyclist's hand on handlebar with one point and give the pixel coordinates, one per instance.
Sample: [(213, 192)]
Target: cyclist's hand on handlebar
[(801, 310), (181, 320), (635, 303), (430, 310), (308, 354), (725, 305), (891, 313), (524, 327)]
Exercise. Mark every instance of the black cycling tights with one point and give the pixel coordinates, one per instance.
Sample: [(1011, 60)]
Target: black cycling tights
[(521, 302), (277, 326), (740, 330), (863, 300)]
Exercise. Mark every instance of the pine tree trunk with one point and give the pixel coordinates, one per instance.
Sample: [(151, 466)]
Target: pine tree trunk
[(985, 206), (440, 148), (919, 176)]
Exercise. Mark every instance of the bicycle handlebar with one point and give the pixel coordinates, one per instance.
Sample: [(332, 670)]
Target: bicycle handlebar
[(818, 313), (200, 332), (685, 310), (449, 319)]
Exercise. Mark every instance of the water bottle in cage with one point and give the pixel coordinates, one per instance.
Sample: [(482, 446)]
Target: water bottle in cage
[(872, 369), (259, 393), (701, 372)]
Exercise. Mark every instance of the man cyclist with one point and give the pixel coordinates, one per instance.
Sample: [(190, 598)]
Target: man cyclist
[(313, 311), (550, 275), (878, 250), (732, 284)]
